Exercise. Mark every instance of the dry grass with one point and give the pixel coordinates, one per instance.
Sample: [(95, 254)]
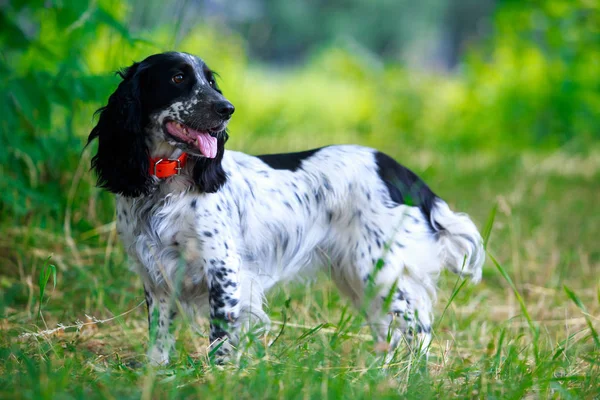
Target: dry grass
[(545, 237)]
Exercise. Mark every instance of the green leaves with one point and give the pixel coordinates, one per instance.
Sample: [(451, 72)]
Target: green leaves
[(105, 18), (35, 109), (11, 34), (48, 96)]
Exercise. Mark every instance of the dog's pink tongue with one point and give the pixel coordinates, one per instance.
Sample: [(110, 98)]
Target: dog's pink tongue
[(207, 144)]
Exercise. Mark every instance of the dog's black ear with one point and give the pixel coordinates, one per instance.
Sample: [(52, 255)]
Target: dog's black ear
[(209, 174), (122, 159)]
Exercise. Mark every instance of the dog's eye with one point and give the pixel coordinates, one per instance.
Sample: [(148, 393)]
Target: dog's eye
[(177, 78), (212, 82)]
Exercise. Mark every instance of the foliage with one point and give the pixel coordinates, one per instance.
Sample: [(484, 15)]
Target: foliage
[(285, 30), (537, 82), (533, 85)]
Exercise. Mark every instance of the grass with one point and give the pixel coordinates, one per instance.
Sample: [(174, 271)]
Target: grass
[(528, 330)]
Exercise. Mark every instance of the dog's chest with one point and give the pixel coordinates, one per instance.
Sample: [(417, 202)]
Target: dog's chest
[(166, 224)]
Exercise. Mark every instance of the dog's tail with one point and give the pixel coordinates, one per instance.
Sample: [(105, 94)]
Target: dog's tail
[(461, 245)]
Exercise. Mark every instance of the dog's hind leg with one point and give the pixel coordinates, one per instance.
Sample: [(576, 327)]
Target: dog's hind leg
[(253, 318), (397, 306), (402, 315)]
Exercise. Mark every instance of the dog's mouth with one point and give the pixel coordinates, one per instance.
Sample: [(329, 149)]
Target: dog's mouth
[(204, 140)]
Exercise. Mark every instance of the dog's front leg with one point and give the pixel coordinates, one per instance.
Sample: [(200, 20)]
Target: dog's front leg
[(161, 313), (224, 302), (222, 270)]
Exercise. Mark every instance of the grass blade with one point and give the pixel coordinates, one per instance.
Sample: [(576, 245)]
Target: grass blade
[(310, 332), (581, 306), (515, 291), (47, 271), (487, 229), (455, 291), (214, 349), (530, 323)]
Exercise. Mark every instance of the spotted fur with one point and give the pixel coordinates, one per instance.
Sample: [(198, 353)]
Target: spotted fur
[(228, 229)]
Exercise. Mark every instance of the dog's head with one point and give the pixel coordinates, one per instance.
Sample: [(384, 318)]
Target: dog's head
[(167, 101)]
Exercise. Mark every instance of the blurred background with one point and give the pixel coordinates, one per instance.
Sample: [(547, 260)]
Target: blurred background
[(444, 75), (470, 75)]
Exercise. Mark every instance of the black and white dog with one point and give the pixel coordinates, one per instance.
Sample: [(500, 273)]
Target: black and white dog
[(217, 229)]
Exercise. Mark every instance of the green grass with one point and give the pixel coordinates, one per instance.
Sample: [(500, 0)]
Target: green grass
[(528, 330)]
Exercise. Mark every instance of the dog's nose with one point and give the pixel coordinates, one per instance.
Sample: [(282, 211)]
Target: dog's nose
[(224, 108)]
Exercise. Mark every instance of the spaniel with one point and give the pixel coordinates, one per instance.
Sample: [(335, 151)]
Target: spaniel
[(213, 230)]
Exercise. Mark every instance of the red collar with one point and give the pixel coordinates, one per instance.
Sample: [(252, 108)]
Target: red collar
[(167, 167)]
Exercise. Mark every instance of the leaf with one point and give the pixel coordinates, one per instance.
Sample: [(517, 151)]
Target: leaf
[(107, 19), (11, 35), (34, 108)]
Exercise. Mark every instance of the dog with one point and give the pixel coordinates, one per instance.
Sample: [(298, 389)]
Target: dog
[(214, 229)]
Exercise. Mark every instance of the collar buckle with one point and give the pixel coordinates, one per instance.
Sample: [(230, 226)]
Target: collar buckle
[(177, 169)]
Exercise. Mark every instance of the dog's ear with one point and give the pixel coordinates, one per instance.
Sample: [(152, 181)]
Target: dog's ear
[(208, 173), (122, 159)]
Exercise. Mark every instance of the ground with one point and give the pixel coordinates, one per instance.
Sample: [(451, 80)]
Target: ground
[(529, 329)]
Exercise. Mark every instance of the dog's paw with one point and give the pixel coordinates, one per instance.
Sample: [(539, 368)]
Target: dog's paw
[(220, 351)]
